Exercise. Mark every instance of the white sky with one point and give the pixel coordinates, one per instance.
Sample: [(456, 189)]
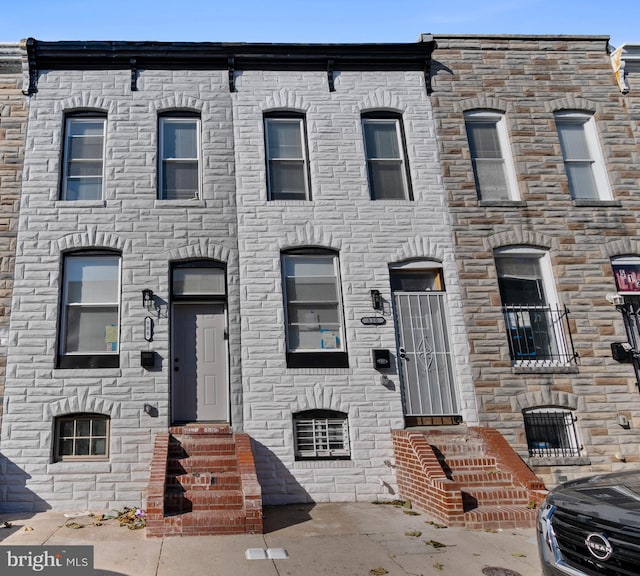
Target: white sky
[(311, 20)]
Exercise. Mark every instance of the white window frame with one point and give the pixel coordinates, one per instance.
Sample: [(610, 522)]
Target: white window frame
[(596, 160), (303, 160), (59, 456), (402, 158), (175, 118), (511, 179), (68, 160), (318, 429), (336, 277), (66, 305), (551, 296)]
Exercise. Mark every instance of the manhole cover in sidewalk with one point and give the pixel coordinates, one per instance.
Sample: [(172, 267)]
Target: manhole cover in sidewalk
[(493, 571)]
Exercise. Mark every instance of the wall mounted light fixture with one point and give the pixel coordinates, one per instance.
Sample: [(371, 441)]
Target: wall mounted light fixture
[(147, 298), (376, 300)]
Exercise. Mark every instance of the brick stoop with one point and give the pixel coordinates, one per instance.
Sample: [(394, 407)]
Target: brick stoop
[(467, 477), (203, 482)]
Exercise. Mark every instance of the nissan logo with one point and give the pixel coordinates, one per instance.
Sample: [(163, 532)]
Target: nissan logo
[(599, 546)]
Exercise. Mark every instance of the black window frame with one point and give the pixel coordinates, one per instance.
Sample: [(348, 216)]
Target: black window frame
[(58, 456)]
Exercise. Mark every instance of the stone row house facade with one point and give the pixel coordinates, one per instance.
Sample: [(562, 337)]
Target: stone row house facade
[(318, 245)]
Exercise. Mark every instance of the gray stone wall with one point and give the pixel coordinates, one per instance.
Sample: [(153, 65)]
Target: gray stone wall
[(369, 236), (528, 79), (13, 122)]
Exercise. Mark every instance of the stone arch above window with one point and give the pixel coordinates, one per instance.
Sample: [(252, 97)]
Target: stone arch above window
[(309, 236), (421, 248), (203, 250), (520, 237), (623, 247), (382, 101), (544, 398), (85, 103), (319, 397), (285, 100), (82, 403), (90, 239), (482, 102), (570, 102), (179, 102)]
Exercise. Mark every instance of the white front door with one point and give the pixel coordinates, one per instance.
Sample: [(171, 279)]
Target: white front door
[(426, 365), (199, 363)]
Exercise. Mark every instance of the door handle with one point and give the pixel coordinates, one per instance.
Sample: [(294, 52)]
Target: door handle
[(403, 353)]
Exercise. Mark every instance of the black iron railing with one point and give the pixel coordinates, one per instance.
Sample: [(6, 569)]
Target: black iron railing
[(538, 335), (551, 433)]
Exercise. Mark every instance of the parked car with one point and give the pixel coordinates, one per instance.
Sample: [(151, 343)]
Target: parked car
[(591, 527)]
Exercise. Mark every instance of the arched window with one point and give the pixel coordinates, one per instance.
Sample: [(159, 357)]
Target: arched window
[(81, 437), (321, 434)]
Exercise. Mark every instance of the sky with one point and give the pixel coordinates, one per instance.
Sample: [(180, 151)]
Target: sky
[(311, 21)]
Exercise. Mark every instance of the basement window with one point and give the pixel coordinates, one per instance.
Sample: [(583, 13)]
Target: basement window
[(551, 432), (82, 437), (321, 435)]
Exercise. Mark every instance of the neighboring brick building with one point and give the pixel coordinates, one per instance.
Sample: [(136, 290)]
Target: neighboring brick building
[(13, 123), (542, 171), (274, 197)]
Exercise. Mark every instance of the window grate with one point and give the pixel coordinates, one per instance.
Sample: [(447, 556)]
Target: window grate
[(321, 437), (551, 432), (538, 335)]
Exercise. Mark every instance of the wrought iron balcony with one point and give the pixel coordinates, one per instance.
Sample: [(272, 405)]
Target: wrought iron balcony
[(538, 335)]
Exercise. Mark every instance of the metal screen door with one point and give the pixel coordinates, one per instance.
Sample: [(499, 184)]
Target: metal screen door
[(425, 362)]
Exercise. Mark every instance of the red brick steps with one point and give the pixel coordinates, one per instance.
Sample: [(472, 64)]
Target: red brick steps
[(203, 482), (466, 477)]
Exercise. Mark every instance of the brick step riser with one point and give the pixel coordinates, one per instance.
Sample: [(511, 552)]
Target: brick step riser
[(495, 497), (192, 431), (220, 482), (486, 465), (482, 479), (210, 521), (193, 502), (200, 451), (202, 465), (480, 519)]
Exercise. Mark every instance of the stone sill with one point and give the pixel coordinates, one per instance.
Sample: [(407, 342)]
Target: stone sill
[(301, 464), (534, 461), (597, 203), (76, 204), (502, 203), (196, 203), (78, 467), (544, 370), (87, 372)]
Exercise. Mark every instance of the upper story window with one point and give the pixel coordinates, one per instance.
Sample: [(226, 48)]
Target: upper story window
[(387, 166), (179, 157), (287, 166), (493, 167), (83, 157), (313, 309), (583, 160), (90, 311), (532, 315)]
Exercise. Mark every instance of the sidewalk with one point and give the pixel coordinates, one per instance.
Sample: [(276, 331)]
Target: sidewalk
[(360, 539)]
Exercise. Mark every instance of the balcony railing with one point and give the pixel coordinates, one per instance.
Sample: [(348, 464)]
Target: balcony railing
[(538, 335)]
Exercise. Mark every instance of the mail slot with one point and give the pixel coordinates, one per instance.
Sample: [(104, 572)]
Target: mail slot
[(147, 359), (381, 359)]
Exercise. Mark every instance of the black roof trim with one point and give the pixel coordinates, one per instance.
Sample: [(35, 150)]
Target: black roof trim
[(79, 55)]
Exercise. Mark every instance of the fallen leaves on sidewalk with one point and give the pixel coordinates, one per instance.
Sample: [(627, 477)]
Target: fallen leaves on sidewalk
[(378, 572), (132, 518)]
